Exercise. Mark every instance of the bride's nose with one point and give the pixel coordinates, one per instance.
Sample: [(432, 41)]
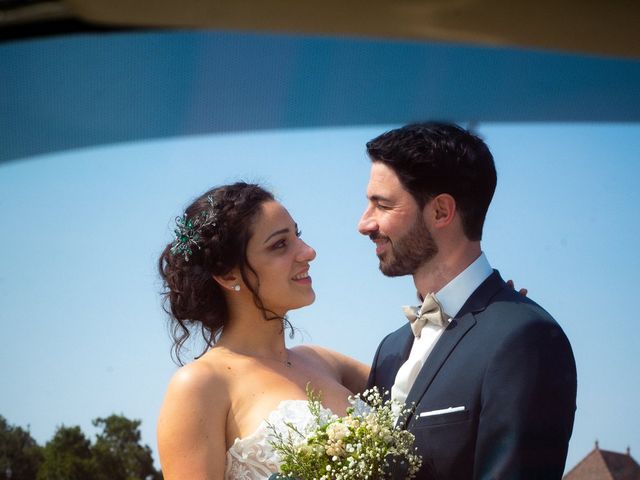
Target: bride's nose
[(306, 253)]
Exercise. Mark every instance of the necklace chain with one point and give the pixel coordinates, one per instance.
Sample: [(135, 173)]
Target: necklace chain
[(286, 362)]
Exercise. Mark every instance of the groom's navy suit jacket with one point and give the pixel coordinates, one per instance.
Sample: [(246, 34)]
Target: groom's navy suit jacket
[(509, 364)]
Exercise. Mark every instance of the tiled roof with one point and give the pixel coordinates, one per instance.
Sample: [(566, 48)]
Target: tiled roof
[(605, 465)]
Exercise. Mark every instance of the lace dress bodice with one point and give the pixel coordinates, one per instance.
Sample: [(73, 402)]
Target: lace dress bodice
[(252, 457)]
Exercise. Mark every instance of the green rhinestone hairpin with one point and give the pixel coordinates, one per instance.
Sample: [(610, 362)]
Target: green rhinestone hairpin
[(189, 230)]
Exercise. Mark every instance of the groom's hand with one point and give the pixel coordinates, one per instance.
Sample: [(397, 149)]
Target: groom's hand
[(522, 291)]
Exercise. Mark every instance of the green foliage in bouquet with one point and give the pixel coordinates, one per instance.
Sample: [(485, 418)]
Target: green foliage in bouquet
[(362, 445)]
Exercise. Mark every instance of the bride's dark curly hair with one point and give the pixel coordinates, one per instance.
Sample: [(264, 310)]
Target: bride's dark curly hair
[(192, 297)]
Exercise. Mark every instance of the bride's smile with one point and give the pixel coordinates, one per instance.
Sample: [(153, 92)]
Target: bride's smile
[(280, 260)]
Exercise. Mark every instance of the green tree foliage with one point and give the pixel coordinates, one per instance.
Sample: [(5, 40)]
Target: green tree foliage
[(19, 453), (118, 452), (68, 456)]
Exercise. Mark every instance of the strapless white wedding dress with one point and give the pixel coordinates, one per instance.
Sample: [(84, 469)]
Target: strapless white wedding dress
[(252, 457)]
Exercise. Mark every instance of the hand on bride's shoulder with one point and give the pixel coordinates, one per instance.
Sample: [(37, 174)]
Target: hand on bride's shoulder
[(352, 373), (191, 425)]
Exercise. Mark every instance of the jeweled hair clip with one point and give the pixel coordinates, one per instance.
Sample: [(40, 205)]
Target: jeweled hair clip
[(188, 231)]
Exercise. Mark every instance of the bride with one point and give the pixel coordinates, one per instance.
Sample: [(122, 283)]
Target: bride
[(237, 266)]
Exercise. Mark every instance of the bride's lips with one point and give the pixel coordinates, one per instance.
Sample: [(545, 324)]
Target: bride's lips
[(302, 277)]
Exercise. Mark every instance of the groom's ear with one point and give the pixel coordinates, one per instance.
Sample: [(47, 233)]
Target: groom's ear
[(441, 210)]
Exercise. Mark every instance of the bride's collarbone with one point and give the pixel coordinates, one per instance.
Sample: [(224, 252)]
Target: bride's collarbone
[(295, 379), (292, 367), (252, 379), (291, 383)]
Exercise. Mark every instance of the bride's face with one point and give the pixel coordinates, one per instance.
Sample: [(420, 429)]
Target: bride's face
[(281, 261)]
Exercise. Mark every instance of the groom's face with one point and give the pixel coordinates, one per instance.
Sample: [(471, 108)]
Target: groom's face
[(394, 222)]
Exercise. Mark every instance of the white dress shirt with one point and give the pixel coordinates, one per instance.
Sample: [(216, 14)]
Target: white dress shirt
[(452, 297)]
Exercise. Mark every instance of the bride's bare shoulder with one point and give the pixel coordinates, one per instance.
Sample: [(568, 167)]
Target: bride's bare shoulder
[(350, 372), (196, 386), (206, 376), (192, 421), (313, 352), (317, 352), (319, 357)]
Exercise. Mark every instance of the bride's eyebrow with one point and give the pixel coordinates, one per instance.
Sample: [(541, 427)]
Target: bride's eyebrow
[(278, 232)]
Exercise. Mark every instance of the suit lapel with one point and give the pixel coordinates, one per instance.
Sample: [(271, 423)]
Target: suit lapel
[(391, 363), (450, 338), (407, 340), (447, 342)]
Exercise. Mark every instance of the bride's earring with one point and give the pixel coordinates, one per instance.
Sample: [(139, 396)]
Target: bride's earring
[(236, 288)]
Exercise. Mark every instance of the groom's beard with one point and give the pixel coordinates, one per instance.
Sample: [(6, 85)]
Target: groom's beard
[(411, 251)]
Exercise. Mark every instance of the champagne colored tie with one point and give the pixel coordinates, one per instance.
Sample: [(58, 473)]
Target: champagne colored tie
[(430, 311)]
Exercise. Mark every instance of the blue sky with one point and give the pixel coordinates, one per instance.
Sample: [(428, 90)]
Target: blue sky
[(84, 334)]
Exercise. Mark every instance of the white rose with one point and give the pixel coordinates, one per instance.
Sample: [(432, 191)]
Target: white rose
[(337, 431)]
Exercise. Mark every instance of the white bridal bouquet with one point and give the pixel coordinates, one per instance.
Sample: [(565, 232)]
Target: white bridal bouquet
[(364, 444)]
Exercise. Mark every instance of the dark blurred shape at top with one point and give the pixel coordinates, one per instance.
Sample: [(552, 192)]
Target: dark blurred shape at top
[(601, 28), (20, 19), (18, 3)]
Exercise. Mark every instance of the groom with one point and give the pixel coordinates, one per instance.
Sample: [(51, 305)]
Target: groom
[(491, 374)]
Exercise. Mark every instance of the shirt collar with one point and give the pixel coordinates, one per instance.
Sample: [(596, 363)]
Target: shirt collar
[(455, 293)]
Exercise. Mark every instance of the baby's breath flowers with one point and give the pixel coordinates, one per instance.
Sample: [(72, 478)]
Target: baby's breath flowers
[(362, 445)]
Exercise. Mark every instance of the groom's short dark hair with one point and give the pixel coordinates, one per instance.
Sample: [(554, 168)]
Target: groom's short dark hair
[(434, 158)]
